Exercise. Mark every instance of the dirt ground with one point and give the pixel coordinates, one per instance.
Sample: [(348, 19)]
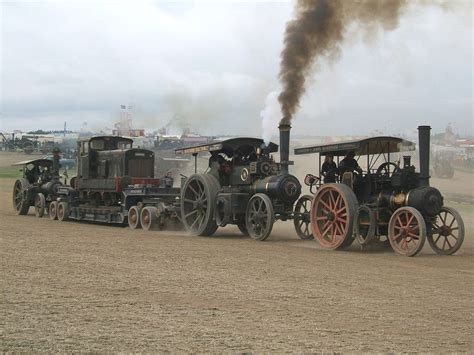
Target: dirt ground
[(68, 286)]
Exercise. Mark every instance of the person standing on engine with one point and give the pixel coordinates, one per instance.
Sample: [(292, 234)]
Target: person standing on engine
[(329, 169), (349, 164)]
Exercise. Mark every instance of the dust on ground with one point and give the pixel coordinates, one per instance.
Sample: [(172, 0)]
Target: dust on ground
[(69, 286)]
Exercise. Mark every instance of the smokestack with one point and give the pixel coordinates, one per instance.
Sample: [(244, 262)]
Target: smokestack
[(284, 147), (424, 147), (56, 158)]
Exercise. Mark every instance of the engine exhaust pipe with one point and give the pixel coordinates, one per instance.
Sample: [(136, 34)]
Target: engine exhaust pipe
[(56, 157), (284, 147), (424, 148)]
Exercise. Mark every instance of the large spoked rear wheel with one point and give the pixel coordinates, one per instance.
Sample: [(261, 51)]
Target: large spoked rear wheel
[(40, 205), (259, 217), (20, 196), (407, 231), (447, 233), (302, 218), (332, 216), (198, 201)]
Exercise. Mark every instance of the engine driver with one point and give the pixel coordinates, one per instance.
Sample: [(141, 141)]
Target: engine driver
[(329, 169), (349, 164)]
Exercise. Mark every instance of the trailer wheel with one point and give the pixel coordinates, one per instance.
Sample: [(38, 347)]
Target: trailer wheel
[(150, 218), (407, 231), (198, 201), (20, 197), (63, 211), (332, 216), (447, 233), (259, 217), (365, 225), (134, 217), (53, 210), (40, 205), (302, 218)]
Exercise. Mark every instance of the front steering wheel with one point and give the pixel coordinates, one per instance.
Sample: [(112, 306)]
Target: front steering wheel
[(384, 170)]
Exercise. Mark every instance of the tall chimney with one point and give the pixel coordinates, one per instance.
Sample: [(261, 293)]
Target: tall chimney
[(424, 148), (56, 158), (284, 147)]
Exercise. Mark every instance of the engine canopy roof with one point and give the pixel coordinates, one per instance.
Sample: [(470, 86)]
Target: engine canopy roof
[(366, 146), (228, 146)]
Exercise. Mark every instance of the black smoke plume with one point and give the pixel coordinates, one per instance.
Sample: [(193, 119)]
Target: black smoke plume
[(317, 31)]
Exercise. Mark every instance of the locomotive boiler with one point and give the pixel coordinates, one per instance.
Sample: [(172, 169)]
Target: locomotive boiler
[(388, 199), (243, 186)]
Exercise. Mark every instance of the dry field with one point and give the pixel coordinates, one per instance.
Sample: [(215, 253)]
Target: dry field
[(68, 286)]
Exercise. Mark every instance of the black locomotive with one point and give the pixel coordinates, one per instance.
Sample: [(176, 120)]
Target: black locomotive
[(115, 183), (243, 186), (388, 198)]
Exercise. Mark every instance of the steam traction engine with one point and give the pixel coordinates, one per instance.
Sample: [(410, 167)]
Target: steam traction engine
[(243, 186), (115, 183), (384, 200), (39, 185)]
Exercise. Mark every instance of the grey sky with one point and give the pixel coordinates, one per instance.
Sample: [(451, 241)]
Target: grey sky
[(213, 63)]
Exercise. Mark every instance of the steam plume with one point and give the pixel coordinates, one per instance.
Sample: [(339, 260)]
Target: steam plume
[(317, 31)]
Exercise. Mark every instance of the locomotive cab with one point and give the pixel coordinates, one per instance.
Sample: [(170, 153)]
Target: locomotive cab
[(109, 163)]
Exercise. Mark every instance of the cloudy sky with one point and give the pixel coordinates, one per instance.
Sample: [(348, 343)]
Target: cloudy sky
[(212, 64)]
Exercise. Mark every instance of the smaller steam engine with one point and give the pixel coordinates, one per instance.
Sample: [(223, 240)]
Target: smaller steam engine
[(386, 199), (39, 185), (243, 186)]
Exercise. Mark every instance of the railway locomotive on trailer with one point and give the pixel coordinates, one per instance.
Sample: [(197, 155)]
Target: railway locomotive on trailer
[(115, 184), (243, 186), (385, 200)]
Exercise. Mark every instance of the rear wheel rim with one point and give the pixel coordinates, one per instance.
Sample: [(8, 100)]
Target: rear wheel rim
[(18, 196), (330, 218), (195, 205), (198, 201)]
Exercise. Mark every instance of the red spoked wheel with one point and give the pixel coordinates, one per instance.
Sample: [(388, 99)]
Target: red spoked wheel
[(447, 233), (407, 231), (332, 216)]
